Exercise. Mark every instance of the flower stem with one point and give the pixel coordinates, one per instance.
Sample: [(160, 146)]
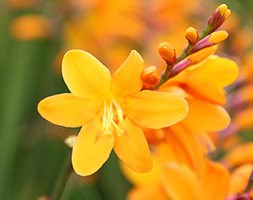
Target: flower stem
[(206, 32), (62, 179), (166, 75), (185, 53)]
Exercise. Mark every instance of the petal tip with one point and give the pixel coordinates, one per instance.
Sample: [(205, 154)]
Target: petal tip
[(144, 167), (81, 171), (41, 107), (136, 54)]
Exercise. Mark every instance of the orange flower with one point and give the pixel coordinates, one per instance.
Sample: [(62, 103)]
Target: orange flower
[(239, 179), (243, 120), (178, 182), (105, 28), (92, 13), (30, 27), (112, 108), (202, 85), (239, 155), (207, 79), (211, 182)]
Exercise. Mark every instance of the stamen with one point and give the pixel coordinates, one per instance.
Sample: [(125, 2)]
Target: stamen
[(119, 131), (119, 111), (112, 117)]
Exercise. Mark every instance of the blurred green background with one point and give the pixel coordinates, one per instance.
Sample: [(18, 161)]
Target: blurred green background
[(32, 154)]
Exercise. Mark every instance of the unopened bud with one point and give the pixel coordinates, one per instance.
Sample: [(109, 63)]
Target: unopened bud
[(70, 140), (202, 54), (224, 11), (167, 52), (210, 40), (150, 77), (192, 35), (219, 16), (192, 59), (218, 37), (182, 65)]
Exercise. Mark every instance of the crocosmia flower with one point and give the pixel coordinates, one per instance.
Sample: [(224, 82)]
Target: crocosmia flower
[(111, 109)]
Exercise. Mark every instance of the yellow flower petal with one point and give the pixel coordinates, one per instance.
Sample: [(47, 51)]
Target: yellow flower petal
[(68, 110), (91, 149), (214, 181), (215, 117), (84, 75), (155, 110), (132, 148), (127, 79), (218, 71), (180, 183), (185, 145), (205, 91), (148, 178)]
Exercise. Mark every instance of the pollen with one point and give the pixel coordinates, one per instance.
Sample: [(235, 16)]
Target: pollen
[(112, 117)]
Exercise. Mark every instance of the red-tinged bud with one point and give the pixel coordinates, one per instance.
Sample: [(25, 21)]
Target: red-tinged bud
[(219, 16), (210, 40), (192, 59), (167, 52), (192, 35), (180, 67), (202, 54), (150, 77)]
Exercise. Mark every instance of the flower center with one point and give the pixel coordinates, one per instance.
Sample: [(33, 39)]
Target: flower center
[(112, 117)]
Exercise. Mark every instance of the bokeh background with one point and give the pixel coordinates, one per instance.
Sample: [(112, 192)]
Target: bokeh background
[(35, 34)]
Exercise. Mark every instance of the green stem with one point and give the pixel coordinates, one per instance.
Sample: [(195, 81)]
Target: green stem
[(206, 32), (166, 75), (185, 53), (63, 179)]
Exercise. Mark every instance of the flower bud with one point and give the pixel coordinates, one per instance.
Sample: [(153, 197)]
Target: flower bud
[(202, 54), (182, 65), (224, 11), (210, 40), (218, 37), (150, 77), (192, 59), (167, 52), (192, 35), (219, 16)]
